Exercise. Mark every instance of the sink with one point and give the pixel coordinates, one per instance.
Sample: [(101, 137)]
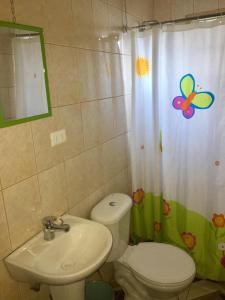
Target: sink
[(65, 260)]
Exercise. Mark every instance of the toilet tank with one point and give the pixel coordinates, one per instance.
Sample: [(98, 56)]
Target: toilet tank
[(114, 212)]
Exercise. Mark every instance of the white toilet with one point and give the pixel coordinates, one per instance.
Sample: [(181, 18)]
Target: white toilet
[(146, 271)]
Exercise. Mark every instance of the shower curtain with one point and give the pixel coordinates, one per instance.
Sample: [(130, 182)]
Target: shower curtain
[(177, 141)]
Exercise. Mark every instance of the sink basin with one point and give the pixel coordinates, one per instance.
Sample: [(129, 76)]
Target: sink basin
[(68, 258)]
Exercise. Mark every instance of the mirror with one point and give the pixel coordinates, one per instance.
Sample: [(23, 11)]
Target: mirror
[(24, 91)]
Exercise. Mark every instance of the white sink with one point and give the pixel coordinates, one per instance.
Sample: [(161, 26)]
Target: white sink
[(70, 257)]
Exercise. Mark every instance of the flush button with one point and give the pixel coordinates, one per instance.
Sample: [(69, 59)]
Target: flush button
[(112, 203)]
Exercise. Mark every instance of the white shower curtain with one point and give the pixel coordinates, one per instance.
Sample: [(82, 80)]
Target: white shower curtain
[(178, 140)]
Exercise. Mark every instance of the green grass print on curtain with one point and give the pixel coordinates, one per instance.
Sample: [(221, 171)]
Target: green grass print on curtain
[(154, 218)]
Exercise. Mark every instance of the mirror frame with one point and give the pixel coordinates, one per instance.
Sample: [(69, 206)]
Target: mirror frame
[(5, 123)]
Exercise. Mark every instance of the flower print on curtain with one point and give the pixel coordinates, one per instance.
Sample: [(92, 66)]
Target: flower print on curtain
[(178, 184)]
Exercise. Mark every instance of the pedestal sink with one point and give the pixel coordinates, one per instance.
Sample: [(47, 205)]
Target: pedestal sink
[(64, 262)]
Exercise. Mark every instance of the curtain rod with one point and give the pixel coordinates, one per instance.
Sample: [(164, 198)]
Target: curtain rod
[(145, 24)]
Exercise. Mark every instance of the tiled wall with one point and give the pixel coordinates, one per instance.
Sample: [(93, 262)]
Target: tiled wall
[(87, 94), (176, 9)]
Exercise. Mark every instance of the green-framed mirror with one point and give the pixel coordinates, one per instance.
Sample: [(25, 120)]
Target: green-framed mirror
[(24, 89)]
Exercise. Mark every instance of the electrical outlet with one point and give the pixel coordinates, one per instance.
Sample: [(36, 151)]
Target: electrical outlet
[(58, 137)]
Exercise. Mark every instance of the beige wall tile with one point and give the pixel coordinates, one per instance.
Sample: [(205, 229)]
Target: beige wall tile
[(117, 86), (27, 294), (84, 175), (105, 75), (106, 119), (98, 121), (87, 70), (142, 9), (17, 154), (38, 16), (95, 197), (132, 21), (108, 22), (70, 120), (47, 156), (182, 8), (59, 14), (119, 184), (117, 3), (120, 115), (84, 207), (221, 4), (51, 75), (101, 24), (91, 123), (94, 169), (146, 10), (162, 10), (95, 73), (4, 233), (81, 210), (131, 5), (76, 177), (115, 29), (22, 204), (203, 5), (5, 11), (114, 157), (63, 76), (52, 184), (83, 24), (9, 289)]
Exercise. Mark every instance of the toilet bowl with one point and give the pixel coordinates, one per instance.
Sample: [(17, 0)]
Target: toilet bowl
[(158, 271), (148, 270)]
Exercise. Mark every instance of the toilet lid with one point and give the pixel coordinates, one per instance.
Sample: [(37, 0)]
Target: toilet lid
[(160, 263)]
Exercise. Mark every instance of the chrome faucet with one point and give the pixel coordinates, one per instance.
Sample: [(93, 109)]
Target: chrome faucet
[(49, 227)]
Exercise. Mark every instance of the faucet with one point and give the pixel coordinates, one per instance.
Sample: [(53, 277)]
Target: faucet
[(49, 227)]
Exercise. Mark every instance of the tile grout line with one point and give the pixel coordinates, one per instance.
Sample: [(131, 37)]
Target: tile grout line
[(39, 188), (93, 100), (6, 216), (102, 186), (74, 156), (87, 49)]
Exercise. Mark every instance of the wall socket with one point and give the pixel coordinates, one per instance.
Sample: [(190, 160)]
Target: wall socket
[(58, 137)]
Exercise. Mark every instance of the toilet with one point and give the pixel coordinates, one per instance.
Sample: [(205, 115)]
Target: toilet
[(148, 270)]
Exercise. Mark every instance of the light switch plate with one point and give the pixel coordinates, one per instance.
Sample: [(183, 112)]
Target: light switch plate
[(58, 137)]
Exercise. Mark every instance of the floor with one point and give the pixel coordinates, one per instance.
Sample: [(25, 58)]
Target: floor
[(120, 296), (200, 290)]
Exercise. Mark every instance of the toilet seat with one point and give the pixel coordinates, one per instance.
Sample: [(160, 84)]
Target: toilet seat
[(160, 265)]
